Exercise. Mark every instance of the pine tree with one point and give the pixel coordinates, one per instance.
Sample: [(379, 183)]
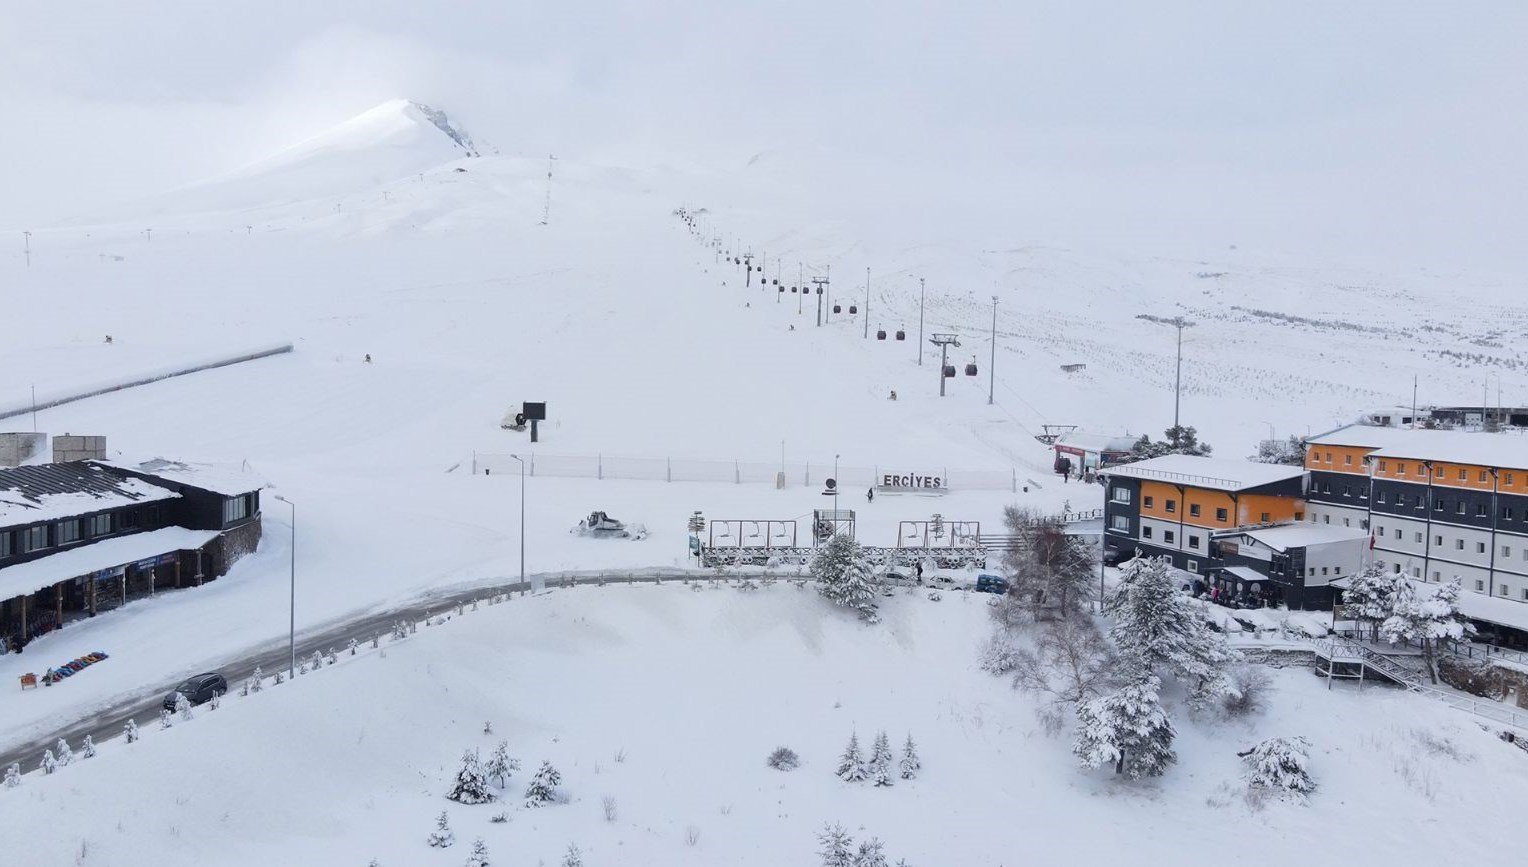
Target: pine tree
[(837, 847), (870, 854), (130, 731), (441, 837), (87, 751), (256, 679), (13, 775), (48, 763), (165, 718), (1155, 626), (1425, 615), (500, 765), (880, 760), (543, 786), (1128, 729), (1281, 765), (479, 855), (183, 706), (910, 764), (573, 858), (1368, 597), (844, 576), (471, 785), (65, 755), (851, 766)]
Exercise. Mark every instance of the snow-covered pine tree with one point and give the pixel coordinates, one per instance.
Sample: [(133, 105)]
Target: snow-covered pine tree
[(1426, 615), (543, 786), (1281, 765), (316, 661), (130, 731), (65, 754), (500, 765), (880, 760), (1367, 600), (870, 854), (478, 857), (471, 786), (488, 727), (256, 679), (13, 775), (910, 764), (441, 837), (844, 576), (851, 765), (183, 706), (48, 764), (837, 846), (87, 751), (302, 668), (277, 679), (573, 857), (166, 719), (1128, 729), (1155, 626), (351, 647)]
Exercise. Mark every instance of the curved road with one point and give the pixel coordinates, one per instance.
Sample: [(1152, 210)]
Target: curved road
[(143, 705)]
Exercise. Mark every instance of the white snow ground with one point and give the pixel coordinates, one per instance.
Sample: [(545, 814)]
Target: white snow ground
[(669, 699)]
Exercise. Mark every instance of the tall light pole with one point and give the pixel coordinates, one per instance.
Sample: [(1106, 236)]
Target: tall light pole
[(920, 323), (523, 588), (837, 483), (292, 608), (1179, 323), (992, 363), (867, 303)]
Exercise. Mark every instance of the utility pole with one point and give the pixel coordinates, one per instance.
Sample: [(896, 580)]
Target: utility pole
[(546, 207), (944, 342), (292, 607), (523, 589), (828, 271), (920, 324), (1413, 400), (27, 245), (992, 364), (800, 286), (867, 302), (748, 273), (819, 282), (148, 234), (1179, 323)]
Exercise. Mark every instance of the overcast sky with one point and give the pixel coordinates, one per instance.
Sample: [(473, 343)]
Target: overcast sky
[(1381, 125)]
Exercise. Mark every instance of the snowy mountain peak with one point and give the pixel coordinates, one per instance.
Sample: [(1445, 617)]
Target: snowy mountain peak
[(444, 124)]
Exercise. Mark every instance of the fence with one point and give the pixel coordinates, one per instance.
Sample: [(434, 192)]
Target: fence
[(668, 469)]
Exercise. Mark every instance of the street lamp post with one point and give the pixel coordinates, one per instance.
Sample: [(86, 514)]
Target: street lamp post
[(292, 608), (920, 322), (992, 362), (523, 588), (837, 483)]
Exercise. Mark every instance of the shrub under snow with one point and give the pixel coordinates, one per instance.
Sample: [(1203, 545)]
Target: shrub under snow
[(1281, 765), (784, 759)]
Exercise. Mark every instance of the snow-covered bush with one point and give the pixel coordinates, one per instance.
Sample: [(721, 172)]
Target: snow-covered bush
[(478, 857), (500, 765), (471, 786), (256, 680), (573, 858), (543, 786), (351, 647), (165, 720), (183, 706), (65, 754), (1249, 691), (880, 760), (837, 846), (88, 751), (999, 655), (851, 765), (783, 759), (130, 732), (1281, 765), (910, 764), (13, 776), (441, 837), (1127, 729), (48, 764), (608, 803)]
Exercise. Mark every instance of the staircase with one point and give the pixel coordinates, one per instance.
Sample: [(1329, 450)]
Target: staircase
[(1341, 650)]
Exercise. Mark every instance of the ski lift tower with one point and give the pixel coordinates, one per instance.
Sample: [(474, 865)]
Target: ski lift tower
[(944, 342)]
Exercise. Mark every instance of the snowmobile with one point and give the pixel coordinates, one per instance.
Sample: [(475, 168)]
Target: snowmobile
[(601, 526)]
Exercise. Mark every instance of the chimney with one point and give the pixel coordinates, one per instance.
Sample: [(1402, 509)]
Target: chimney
[(68, 448)]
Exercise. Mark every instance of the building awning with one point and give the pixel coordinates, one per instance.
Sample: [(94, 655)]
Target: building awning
[(26, 578), (1245, 573)]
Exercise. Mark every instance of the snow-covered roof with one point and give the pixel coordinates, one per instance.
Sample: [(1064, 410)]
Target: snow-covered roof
[(34, 575), (230, 480), (1508, 448), (45, 492), (1091, 442), (1222, 474), (1245, 573), (1302, 535)]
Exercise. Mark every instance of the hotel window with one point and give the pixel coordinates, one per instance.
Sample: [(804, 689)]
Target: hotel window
[(1419, 538), (1506, 513), (1506, 550), (1193, 510), (1121, 495), (1168, 536), (1397, 533), (1416, 571), (1482, 475), (1347, 522), (1480, 510), (5, 544), (1480, 586), (1220, 515), (1379, 497), (1193, 541), (1400, 469), (1336, 570), (1461, 474), (34, 539), (1437, 504), (1347, 490), (1120, 522), (1480, 547), (1172, 505), (1262, 517), (235, 508), (1438, 540), (1382, 467), (1437, 576), (1507, 480), (1459, 544), (1145, 532), (1147, 501), (1323, 570), (1193, 565), (1525, 594), (1347, 459), (1326, 519), (1328, 457), (1326, 487), (1459, 508), (1504, 590), (100, 525), (1364, 524), (68, 531)]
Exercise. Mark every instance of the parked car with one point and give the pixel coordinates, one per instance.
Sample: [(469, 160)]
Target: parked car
[(991, 584), (198, 689), (1113, 556)]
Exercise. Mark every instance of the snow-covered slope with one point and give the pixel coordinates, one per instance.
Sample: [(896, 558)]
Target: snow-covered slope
[(667, 701)]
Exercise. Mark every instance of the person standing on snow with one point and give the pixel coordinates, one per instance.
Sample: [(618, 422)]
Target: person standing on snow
[(870, 495)]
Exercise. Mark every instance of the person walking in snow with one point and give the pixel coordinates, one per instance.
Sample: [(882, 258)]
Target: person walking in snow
[(870, 495)]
